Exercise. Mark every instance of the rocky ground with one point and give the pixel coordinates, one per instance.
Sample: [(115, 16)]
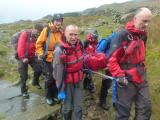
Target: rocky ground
[(91, 110)]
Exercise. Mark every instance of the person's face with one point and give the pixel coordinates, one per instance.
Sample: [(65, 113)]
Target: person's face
[(34, 34), (58, 23), (72, 35), (141, 21), (95, 38)]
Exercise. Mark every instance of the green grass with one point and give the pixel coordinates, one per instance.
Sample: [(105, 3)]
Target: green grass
[(2, 116)]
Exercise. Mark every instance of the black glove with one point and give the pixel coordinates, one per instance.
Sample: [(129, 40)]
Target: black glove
[(122, 81)]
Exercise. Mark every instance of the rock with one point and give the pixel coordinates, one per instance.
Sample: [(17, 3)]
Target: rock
[(14, 107)]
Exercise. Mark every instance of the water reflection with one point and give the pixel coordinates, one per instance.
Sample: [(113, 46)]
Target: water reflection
[(24, 102)]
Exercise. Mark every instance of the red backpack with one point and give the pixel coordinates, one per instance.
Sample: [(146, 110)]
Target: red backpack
[(95, 61)]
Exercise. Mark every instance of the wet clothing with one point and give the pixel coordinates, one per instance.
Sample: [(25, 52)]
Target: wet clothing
[(105, 86), (74, 101), (90, 48), (55, 35), (88, 83), (50, 84), (106, 83), (26, 45), (68, 73), (23, 71), (127, 57), (45, 45), (72, 58), (137, 93), (26, 49)]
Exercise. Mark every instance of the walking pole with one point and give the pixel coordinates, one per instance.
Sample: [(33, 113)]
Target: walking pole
[(114, 95)]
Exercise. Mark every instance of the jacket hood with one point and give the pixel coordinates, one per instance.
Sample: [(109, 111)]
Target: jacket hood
[(65, 44), (130, 26), (92, 38), (53, 27)]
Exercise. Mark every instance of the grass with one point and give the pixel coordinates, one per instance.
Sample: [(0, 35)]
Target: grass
[(2, 116)]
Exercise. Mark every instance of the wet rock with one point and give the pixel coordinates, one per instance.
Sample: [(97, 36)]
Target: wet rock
[(14, 107)]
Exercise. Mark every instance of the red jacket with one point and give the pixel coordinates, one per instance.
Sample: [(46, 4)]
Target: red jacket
[(26, 46), (90, 48), (73, 59), (127, 54)]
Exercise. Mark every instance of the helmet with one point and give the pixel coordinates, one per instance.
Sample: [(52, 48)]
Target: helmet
[(57, 17), (92, 36)]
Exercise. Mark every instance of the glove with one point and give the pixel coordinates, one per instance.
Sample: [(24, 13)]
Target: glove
[(61, 96), (25, 60), (122, 81)]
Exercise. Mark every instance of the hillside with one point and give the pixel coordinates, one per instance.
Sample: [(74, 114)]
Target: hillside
[(101, 19), (124, 8)]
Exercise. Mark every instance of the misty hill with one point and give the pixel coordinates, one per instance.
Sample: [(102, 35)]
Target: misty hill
[(121, 8), (126, 7)]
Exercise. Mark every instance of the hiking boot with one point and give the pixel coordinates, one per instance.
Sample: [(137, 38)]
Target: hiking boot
[(85, 83), (25, 95), (56, 100), (91, 87), (104, 106), (49, 101)]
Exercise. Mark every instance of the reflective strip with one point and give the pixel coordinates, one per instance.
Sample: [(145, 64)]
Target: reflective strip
[(75, 61)]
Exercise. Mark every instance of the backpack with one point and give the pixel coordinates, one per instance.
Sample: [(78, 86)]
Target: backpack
[(46, 45), (14, 41), (96, 61), (104, 44)]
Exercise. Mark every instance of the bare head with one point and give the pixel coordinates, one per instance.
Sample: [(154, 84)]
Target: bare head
[(142, 18), (71, 33)]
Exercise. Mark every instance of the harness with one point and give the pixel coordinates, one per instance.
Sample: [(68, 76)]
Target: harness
[(72, 68)]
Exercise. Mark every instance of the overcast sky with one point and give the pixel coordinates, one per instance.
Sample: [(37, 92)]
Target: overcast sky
[(13, 10)]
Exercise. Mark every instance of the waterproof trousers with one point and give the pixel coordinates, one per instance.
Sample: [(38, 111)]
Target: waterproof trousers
[(106, 84), (51, 90), (23, 71), (72, 105), (88, 83), (137, 93)]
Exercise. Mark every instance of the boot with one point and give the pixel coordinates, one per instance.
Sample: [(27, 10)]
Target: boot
[(35, 81), (68, 115), (91, 86), (104, 105), (85, 83), (77, 115)]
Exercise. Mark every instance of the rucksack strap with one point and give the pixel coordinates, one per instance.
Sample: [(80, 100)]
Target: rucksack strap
[(48, 40), (28, 43), (123, 36)]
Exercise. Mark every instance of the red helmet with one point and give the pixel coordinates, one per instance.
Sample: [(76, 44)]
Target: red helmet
[(92, 36)]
